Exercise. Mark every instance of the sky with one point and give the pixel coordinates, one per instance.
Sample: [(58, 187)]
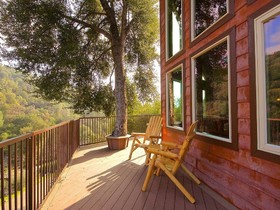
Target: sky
[(272, 35)]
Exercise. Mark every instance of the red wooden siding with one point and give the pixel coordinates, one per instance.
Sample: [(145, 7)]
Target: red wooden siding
[(246, 181)]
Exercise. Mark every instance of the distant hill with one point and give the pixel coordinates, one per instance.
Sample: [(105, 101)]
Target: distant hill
[(21, 112)]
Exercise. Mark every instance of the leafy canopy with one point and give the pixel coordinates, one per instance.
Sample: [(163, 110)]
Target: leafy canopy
[(65, 47)]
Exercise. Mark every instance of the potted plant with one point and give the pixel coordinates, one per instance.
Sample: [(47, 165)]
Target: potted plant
[(117, 142)]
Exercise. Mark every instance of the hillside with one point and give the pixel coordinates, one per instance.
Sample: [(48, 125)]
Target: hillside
[(20, 111)]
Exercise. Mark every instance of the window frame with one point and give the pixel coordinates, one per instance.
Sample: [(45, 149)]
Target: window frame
[(222, 20), (176, 67), (260, 78), (232, 143), (253, 111), (167, 34)]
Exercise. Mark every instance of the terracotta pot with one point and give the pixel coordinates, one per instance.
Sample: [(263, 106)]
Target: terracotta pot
[(117, 143)]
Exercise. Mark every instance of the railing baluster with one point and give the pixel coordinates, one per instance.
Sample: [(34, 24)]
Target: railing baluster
[(55, 152), (9, 177), (26, 154), (51, 158), (2, 179), (87, 132), (44, 165), (47, 161), (81, 131), (26, 172), (21, 175), (68, 142), (37, 164), (41, 166), (31, 167), (15, 175)]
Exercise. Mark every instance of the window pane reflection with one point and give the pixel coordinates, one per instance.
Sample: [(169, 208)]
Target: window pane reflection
[(211, 79), (174, 27), (175, 111), (272, 64), (207, 12)]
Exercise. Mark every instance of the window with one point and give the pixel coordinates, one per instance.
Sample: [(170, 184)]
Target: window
[(267, 58), (175, 98), (206, 13), (174, 27), (211, 91)]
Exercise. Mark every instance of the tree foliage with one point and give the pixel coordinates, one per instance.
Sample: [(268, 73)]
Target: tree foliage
[(207, 12), (21, 112), (71, 49), (273, 86), (148, 108)]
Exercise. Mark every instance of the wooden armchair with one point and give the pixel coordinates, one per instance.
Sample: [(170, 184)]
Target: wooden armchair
[(143, 140), (169, 162)]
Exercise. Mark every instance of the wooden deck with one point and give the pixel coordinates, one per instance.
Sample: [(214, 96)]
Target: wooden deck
[(99, 178)]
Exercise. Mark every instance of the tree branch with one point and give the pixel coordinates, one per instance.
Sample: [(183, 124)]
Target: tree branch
[(100, 30), (127, 28), (89, 12), (124, 22), (111, 17)]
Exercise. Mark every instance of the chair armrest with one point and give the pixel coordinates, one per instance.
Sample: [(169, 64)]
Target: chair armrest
[(167, 154), (171, 145), (156, 137), (137, 134)]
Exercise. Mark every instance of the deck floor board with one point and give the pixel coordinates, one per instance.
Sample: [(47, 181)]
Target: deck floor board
[(99, 178)]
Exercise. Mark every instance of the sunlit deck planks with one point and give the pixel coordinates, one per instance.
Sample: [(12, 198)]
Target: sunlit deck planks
[(99, 178)]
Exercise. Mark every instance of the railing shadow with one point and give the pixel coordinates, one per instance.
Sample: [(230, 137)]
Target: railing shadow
[(101, 178), (95, 151), (108, 180), (111, 187)]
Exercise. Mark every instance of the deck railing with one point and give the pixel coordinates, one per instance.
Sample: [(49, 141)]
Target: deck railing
[(31, 164), (94, 129)]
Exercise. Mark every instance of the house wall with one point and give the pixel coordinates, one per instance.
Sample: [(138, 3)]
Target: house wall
[(249, 182)]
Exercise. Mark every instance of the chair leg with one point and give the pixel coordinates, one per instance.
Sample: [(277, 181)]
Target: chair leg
[(157, 171), (148, 157), (149, 173), (133, 147), (193, 177), (176, 182)]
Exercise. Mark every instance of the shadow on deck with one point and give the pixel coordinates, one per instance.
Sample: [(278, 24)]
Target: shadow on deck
[(99, 178)]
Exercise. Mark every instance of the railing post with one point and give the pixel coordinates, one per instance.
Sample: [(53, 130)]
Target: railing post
[(77, 129), (74, 132), (68, 141), (31, 173)]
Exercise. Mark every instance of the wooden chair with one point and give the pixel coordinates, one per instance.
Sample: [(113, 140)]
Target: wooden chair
[(143, 140), (169, 162)]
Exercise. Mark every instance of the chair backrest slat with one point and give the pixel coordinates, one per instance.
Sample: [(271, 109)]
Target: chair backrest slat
[(154, 127), (185, 146)]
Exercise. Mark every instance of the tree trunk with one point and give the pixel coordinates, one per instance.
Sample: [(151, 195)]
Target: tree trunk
[(120, 90)]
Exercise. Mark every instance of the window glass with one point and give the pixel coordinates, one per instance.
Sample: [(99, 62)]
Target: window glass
[(272, 78), (175, 98), (211, 92), (207, 12), (174, 27)]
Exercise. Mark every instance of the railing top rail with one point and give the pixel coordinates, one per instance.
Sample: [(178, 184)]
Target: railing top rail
[(28, 135), (115, 116), (95, 117), (14, 140), (52, 127), (25, 136), (274, 119)]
